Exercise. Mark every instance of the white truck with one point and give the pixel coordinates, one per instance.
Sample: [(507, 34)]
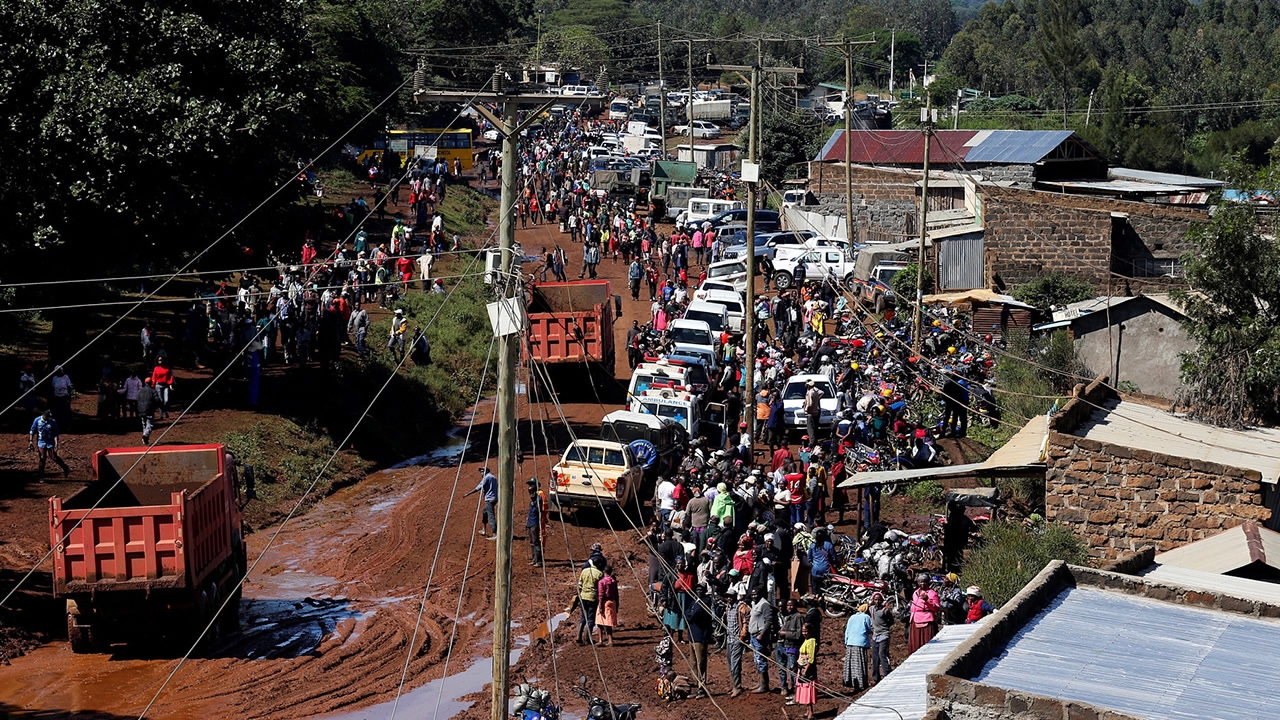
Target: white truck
[(678, 198), (712, 109), (819, 264), (592, 473)]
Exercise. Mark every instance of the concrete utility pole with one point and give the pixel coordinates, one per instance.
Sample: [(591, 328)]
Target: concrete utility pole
[(928, 116), (846, 48), (662, 96), (893, 35), (508, 356)]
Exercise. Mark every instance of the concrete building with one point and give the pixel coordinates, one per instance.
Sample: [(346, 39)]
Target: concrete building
[(1124, 475), (1137, 339), (1080, 643)]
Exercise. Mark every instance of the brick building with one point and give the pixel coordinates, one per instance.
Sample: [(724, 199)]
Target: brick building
[(1124, 475), (1009, 186)]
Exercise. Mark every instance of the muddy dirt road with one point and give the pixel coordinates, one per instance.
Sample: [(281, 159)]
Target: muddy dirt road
[(329, 613)]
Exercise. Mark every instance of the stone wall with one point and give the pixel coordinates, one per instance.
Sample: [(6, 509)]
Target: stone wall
[(1119, 499), (1022, 176)]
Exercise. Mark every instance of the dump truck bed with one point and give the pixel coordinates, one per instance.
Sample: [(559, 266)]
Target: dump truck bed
[(571, 322), (167, 525)]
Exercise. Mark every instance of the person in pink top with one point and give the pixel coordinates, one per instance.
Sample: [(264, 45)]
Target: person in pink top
[(924, 614), (696, 243)]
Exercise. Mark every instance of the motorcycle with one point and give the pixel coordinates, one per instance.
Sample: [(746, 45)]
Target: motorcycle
[(842, 595), (531, 703), (601, 709)]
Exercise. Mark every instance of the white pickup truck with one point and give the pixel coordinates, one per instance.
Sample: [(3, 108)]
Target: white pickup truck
[(592, 473), (819, 264)]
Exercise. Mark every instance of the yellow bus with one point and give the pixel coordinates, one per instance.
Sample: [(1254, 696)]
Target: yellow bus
[(449, 144)]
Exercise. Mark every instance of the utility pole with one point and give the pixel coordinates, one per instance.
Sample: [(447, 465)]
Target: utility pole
[(893, 35), (928, 116), (508, 354), (846, 48), (753, 144), (688, 102), (662, 96)]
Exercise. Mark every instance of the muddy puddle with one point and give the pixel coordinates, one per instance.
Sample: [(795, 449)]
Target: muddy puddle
[(447, 454), (443, 698)]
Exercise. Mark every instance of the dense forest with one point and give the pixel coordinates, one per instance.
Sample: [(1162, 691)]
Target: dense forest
[(141, 123)]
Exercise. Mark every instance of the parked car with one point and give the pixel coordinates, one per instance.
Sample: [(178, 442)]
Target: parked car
[(692, 332), (709, 284), (592, 473), (732, 302), (733, 272), (822, 263), (701, 129), (766, 220), (793, 400)]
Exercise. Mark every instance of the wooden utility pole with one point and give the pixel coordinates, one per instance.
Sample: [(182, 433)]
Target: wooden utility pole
[(928, 116), (846, 48), (753, 144), (508, 355)]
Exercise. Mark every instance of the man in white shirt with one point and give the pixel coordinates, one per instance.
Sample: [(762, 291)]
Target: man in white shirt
[(424, 268), (666, 501)]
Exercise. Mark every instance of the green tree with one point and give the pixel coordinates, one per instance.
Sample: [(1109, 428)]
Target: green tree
[(904, 285), (1233, 375), (1059, 46), (1054, 290), (786, 139)]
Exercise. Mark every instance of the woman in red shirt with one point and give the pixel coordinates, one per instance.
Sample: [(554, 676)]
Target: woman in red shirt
[(162, 379)]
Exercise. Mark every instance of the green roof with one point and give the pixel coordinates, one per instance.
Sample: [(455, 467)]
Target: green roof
[(675, 171)]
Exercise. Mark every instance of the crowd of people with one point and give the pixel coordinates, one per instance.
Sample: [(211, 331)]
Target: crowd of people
[(740, 547)]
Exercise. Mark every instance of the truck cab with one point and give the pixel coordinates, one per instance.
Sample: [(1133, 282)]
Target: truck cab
[(874, 272), (592, 473)]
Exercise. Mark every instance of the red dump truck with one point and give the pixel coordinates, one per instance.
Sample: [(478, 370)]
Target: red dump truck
[(572, 323), (159, 553)]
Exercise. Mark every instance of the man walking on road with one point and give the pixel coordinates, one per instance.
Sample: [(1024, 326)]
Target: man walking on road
[(147, 401), (44, 440), (588, 595), (359, 327), (536, 522), (489, 486), (635, 274)]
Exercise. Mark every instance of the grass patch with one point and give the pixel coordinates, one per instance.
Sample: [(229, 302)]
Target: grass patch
[(464, 210), (1010, 556), (286, 459)]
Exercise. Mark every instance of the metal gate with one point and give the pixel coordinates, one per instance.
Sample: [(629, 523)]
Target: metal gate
[(960, 262)]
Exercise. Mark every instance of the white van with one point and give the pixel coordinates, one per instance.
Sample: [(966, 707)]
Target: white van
[(715, 316), (619, 109), (692, 332), (703, 209), (732, 302), (656, 374), (682, 407)]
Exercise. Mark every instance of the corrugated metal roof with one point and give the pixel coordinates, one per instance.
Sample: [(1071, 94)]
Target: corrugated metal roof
[(1131, 424), (1120, 187), (906, 147), (1143, 657), (1245, 588), (1017, 147), (1229, 550), (1024, 451), (904, 689), (1163, 178)]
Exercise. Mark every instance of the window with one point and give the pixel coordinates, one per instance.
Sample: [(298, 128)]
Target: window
[(595, 456), (833, 257), (614, 458), (715, 321), (691, 336), (573, 454)]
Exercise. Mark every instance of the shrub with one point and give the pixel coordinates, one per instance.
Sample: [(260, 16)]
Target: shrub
[(1010, 556), (927, 491), (1053, 290)]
